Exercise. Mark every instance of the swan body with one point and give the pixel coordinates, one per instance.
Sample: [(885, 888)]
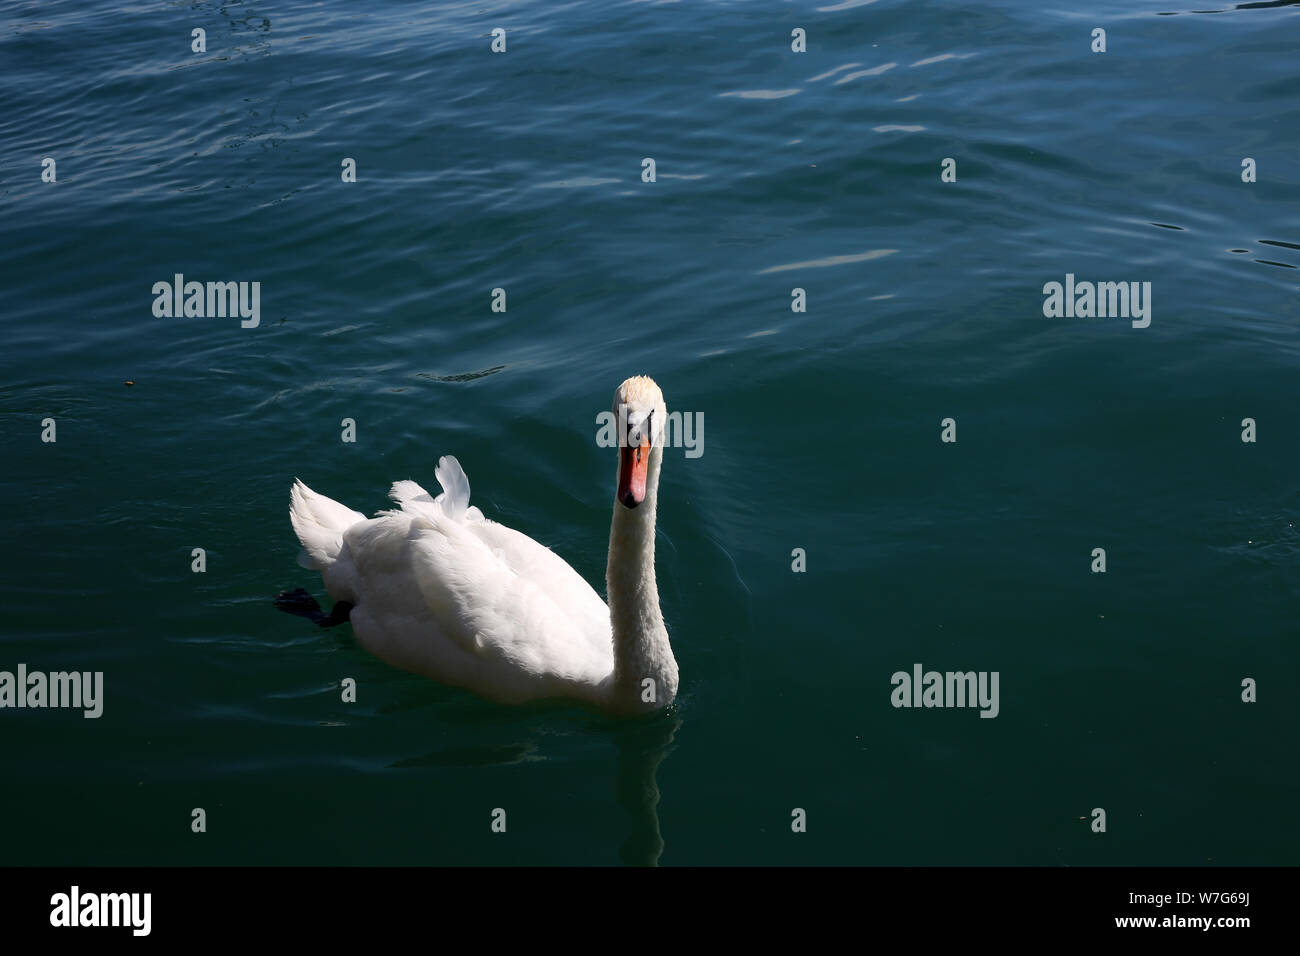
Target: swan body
[(438, 589)]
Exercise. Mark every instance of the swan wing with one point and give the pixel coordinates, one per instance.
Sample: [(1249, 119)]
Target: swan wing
[(513, 600), (521, 554), (445, 592)]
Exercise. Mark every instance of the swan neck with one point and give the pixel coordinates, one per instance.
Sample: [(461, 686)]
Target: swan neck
[(641, 648)]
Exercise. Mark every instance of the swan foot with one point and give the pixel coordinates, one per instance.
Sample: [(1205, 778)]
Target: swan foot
[(302, 604)]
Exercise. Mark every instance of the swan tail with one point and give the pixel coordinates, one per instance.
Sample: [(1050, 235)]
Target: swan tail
[(319, 523), (453, 503), (411, 497), (455, 487)]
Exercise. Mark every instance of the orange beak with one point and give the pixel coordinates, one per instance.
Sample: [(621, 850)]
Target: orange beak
[(632, 464)]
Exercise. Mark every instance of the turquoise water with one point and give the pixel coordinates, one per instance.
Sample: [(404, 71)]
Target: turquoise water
[(775, 170)]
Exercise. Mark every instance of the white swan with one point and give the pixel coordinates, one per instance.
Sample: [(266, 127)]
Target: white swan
[(438, 589)]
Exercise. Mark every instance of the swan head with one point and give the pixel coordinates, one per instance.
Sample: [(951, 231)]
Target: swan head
[(642, 417)]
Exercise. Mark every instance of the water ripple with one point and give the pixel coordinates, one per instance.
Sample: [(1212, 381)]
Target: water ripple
[(830, 261)]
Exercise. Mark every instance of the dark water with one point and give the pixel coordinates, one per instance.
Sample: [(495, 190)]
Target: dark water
[(775, 170)]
